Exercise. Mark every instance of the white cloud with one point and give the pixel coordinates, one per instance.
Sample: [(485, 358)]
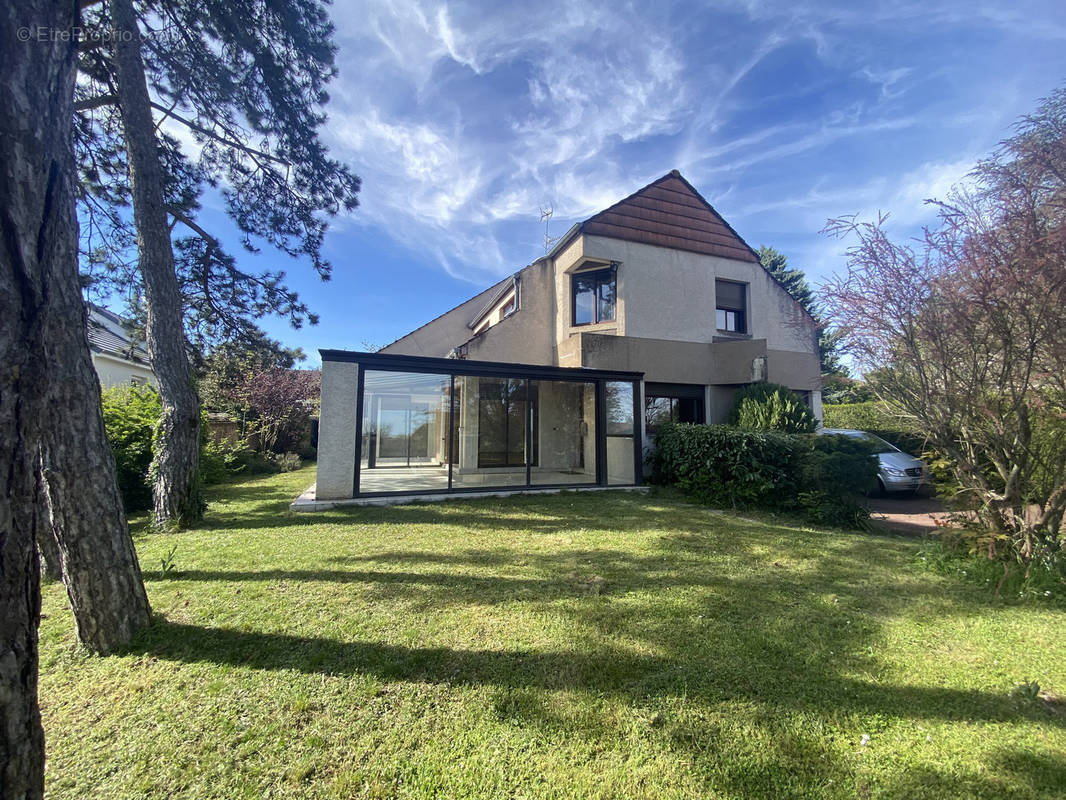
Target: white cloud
[(464, 119)]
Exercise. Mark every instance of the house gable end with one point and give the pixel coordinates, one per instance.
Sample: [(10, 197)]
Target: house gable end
[(670, 213)]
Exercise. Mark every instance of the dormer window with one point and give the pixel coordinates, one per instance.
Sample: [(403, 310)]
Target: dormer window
[(731, 306), (593, 293)]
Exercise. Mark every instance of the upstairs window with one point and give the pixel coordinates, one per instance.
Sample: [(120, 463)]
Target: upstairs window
[(593, 294), (731, 304)]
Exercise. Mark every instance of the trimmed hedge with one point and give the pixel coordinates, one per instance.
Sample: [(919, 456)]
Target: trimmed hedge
[(873, 417), (822, 477)]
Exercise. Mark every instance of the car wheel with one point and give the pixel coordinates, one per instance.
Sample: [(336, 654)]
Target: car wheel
[(881, 490)]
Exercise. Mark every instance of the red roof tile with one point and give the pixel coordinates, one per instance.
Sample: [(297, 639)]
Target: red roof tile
[(669, 212)]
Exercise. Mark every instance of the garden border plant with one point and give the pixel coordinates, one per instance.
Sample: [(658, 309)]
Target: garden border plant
[(823, 478)]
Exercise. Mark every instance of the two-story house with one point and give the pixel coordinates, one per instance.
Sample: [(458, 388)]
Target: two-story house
[(652, 310)]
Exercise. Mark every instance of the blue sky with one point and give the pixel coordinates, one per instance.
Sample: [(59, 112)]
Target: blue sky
[(465, 119)]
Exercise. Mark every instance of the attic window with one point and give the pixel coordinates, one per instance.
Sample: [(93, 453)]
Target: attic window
[(593, 293), (731, 306)]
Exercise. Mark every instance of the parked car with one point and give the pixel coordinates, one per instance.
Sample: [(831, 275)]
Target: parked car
[(897, 471)]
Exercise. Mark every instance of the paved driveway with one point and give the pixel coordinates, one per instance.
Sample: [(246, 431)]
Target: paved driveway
[(906, 513)]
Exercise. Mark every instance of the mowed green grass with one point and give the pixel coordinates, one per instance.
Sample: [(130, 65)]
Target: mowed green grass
[(599, 645)]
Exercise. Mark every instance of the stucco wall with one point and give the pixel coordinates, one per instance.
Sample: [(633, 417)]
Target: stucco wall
[(794, 370), (565, 263), (669, 294), (337, 423), (119, 372), (525, 337), (439, 337)]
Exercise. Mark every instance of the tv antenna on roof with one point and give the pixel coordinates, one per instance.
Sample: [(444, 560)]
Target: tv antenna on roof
[(545, 215)]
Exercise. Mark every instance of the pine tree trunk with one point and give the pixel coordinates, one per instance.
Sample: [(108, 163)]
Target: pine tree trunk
[(175, 466), (82, 505), (47, 547), (38, 251)]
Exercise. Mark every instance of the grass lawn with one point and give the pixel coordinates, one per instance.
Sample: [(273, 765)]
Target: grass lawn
[(606, 645)]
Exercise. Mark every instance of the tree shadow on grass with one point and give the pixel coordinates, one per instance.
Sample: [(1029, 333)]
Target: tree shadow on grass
[(781, 637), (428, 581), (611, 672), (791, 637), (787, 760), (268, 508), (1010, 772)]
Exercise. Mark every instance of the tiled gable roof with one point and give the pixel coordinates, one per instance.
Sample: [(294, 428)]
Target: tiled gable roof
[(107, 334), (670, 213)]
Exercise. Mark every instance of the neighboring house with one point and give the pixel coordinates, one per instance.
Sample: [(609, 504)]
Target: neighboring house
[(652, 310), (119, 359)]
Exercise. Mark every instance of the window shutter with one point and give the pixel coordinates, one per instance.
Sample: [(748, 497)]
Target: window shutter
[(729, 295)]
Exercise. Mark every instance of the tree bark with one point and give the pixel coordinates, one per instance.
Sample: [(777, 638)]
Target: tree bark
[(47, 546), (83, 506), (175, 466), (38, 252)]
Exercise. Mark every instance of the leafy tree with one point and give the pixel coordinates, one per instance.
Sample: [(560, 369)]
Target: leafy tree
[(282, 403), (246, 81), (830, 340), (837, 389), (258, 386), (968, 332), (793, 280), (229, 365), (771, 406)]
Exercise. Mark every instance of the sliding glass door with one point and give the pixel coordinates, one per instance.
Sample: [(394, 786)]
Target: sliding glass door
[(405, 432)]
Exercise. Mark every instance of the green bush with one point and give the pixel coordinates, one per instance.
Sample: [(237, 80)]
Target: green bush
[(772, 407), (287, 462), (130, 417), (837, 472), (822, 477), (723, 465), (220, 461), (872, 416)]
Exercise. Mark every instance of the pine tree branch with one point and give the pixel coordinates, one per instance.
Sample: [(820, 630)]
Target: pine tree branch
[(95, 102), (224, 140), (194, 226)]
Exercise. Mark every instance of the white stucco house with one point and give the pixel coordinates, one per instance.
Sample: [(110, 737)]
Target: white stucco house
[(654, 309), (119, 360)]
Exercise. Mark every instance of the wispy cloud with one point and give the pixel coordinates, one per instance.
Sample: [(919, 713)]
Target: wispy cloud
[(465, 119)]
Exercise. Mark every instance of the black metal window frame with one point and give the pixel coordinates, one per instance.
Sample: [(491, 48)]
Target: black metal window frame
[(676, 393), (601, 275), (495, 369)]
